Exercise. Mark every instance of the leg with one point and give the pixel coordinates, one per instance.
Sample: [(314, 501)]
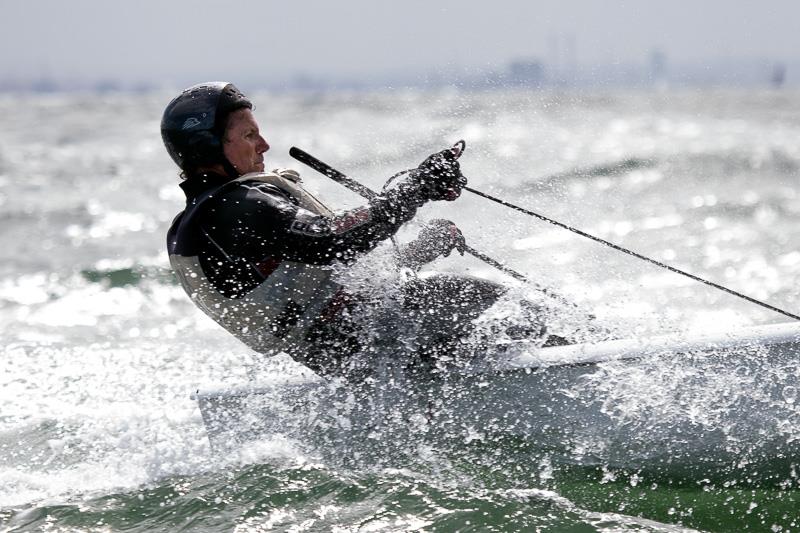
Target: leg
[(442, 309)]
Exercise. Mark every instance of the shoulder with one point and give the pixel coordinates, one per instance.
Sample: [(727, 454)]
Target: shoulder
[(288, 173), (285, 180), (254, 183), (277, 176), (252, 196)]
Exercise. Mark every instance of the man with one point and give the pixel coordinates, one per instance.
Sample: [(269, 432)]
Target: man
[(258, 253)]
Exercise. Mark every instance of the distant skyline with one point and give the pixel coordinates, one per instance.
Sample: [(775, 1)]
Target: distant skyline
[(266, 43)]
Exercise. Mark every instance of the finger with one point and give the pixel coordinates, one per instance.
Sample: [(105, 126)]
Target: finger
[(458, 148)]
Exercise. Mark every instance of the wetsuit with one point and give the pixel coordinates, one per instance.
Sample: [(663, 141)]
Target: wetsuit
[(257, 253)]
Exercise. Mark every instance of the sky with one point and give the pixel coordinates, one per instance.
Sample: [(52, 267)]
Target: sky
[(175, 42)]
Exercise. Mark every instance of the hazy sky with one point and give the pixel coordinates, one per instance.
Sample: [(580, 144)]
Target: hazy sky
[(178, 41)]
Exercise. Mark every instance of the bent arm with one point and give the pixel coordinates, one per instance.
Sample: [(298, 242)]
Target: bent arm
[(257, 220)]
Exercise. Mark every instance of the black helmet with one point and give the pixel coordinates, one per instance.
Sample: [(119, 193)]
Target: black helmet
[(193, 124)]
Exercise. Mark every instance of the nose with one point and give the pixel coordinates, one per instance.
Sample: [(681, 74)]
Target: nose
[(263, 146)]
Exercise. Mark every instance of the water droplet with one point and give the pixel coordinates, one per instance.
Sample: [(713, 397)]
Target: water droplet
[(790, 394)]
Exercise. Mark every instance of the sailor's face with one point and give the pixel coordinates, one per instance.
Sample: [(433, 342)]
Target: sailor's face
[(244, 146)]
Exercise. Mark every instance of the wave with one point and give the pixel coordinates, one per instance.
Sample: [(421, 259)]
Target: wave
[(129, 276)]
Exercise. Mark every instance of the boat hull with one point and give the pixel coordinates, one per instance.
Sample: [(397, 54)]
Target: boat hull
[(722, 402)]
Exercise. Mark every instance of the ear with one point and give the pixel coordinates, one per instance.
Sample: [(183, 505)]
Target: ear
[(206, 148)]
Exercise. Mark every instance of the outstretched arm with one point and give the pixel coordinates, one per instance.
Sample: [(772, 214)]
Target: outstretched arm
[(258, 220)]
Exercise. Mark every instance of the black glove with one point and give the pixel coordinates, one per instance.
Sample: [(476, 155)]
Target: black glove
[(438, 238), (441, 237), (439, 176)]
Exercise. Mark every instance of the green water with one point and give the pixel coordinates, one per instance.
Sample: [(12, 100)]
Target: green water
[(314, 498)]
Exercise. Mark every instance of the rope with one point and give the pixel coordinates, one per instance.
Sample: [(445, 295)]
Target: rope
[(632, 253)]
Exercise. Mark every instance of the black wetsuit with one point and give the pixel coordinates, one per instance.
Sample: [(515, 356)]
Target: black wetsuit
[(237, 233), (260, 225)]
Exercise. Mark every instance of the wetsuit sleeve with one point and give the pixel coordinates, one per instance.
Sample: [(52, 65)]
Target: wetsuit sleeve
[(257, 220)]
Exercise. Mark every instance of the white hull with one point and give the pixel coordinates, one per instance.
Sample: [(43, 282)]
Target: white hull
[(714, 402)]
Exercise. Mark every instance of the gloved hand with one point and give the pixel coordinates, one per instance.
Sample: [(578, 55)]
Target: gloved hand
[(441, 237), (439, 176)]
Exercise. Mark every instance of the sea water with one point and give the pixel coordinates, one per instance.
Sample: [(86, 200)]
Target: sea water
[(101, 349)]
